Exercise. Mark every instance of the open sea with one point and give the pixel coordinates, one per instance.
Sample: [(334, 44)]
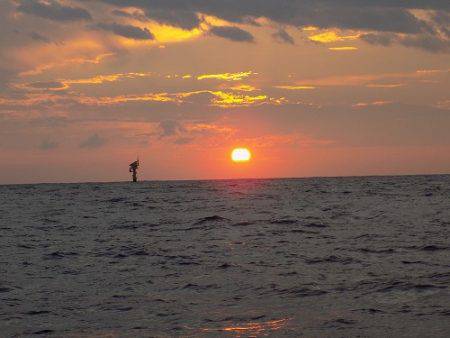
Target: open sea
[(316, 257)]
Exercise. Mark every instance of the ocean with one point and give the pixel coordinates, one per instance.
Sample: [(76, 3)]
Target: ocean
[(315, 257)]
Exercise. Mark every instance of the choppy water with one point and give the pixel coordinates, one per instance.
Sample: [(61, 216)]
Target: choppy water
[(334, 257)]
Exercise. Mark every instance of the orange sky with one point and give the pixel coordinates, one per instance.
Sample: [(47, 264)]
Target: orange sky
[(87, 86)]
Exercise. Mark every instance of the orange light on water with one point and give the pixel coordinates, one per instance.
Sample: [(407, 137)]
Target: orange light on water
[(253, 329), (241, 155)]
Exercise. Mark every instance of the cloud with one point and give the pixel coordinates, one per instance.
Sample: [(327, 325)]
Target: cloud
[(108, 78), (296, 87), (48, 145), (343, 49), (182, 133), (226, 76), (50, 122), (385, 16), (232, 33), (383, 39), (65, 62), (331, 36), (243, 88), (282, 36), (126, 31), (100, 79), (226, 100), (384, 85), (367, 79), (442, 20), (45, 85), (428, 42), (185, 19), (373, 103), (5, 77), (185, 133), (170, 128), (348, 14), (93, 141), (38, 37), (184, 140), (53, 10), (113, 100), (137, 15)]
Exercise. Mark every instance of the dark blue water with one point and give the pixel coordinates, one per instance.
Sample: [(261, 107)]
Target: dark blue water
[(334, 257)]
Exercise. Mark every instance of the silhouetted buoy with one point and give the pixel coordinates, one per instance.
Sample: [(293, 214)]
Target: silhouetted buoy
[(133, 169)]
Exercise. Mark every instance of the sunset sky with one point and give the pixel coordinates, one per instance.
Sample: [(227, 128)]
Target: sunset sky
[(312, 88)]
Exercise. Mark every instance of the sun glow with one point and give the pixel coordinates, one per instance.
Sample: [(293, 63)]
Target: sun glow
[(241, 155)]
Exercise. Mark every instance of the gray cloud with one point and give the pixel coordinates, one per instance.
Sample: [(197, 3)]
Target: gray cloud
[(93, 141), (170, 128), (185, 19), (5, 77), (232, 33), (283, 36), (48, 145), (442, 20), (135, 15), (383, 39), (364, 14), (184, 140), (50, 122), (127, 31), (38, 37), (377, 16), (46, 85), (426, 42), (408, 4), (53, 10)]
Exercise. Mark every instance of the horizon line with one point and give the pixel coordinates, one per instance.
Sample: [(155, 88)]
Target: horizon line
[(229, 179)]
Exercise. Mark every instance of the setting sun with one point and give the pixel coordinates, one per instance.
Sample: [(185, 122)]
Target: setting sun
[(241, 155)]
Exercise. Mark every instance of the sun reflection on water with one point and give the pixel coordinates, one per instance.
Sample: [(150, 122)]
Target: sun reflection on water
[(252, 329)]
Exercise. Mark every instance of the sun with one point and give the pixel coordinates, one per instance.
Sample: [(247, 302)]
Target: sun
[(241, 155)]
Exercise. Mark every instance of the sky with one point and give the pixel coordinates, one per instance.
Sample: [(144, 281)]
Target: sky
[(311, 88)]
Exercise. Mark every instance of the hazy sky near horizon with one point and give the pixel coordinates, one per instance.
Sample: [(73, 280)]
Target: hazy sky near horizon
[(312, 88)]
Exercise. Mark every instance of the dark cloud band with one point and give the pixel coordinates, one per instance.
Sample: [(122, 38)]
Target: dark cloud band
[(378, 16), (127, 31), (232, 33), (53, 10)]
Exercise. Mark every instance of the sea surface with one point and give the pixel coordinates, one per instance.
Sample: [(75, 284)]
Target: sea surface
[(318, 257)]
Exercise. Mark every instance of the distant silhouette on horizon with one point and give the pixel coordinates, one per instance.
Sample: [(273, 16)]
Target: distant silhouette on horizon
[(133, 169)]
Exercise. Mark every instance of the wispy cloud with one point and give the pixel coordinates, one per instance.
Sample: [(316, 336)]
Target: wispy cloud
[(183, 133), (385, 85), (126, 31), (223, 99), (343, 49), (226, 76), (243, 88), (429, 41), (373, 103), (296, 87), (48, 144), (111, 100), (71, 61), (370, 79), (93, 141), (63, 84), (284, 37), (332, 36)]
